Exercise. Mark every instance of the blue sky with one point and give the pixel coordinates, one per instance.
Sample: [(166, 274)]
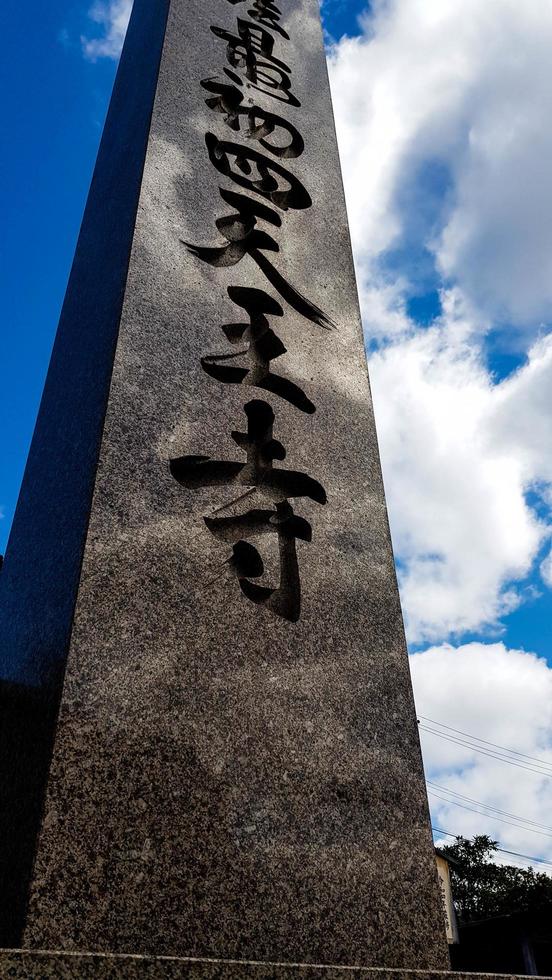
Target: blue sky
[(53, 109), (442, 111), (341, 17)]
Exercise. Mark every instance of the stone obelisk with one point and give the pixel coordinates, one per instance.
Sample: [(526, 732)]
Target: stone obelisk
[(200, 573)]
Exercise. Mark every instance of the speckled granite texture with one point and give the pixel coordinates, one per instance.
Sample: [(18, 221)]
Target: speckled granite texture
[(62, 966), (233, 779), (41, 571)]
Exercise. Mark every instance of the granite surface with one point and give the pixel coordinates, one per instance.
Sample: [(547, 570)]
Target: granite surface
[(237, 770), (19, 965), (40, 575)]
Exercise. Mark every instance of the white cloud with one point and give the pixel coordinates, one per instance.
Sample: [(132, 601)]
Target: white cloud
[(546, 570), (505, 697), (459, 455), (464, 86), (442, 114), (112, 17)]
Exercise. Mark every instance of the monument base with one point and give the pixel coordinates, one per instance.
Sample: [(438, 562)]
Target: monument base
[(39, 965)]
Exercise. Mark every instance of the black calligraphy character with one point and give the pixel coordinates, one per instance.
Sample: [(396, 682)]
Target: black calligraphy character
[(268, 13), (255, 172), (250, 51), (250, 40), (259, 123), (284, 601), (227, 99), (278, 485), (244, 238), (263, 346)]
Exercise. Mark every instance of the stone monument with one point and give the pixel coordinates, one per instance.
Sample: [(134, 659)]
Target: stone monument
[(210, 748)]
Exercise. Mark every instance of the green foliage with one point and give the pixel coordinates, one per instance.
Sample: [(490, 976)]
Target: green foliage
[(483, 889)]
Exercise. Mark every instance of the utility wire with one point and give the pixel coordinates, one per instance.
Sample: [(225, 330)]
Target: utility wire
[(464, 806), (526, 856), (487, 806), (539, 767), (492, 755), (502, 850), (487, 752), (476, 738)]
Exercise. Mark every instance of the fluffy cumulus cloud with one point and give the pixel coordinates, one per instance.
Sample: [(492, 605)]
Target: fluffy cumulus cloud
[(112, 19), (442, 112), (460, 454), (460, 91), (504, 698), (546, 569)]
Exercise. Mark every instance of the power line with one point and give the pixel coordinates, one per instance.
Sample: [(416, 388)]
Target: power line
[(486, 752), (495, 745), (519, 826), (487, 806), (528, 857), (445, 833), (497, 755), (493, 755)]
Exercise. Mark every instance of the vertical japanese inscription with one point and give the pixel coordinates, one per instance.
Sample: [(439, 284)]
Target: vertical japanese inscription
[(258, 140)]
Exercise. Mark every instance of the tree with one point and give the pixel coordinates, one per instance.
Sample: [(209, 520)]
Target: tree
[(484, 890)]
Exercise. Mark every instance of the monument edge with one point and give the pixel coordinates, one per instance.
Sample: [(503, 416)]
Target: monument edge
[(44, 965)]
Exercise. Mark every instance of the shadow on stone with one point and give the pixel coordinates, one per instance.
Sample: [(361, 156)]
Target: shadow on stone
[(27, 721)]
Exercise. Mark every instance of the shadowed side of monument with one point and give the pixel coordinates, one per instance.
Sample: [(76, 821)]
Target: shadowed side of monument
[(40, 576)]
